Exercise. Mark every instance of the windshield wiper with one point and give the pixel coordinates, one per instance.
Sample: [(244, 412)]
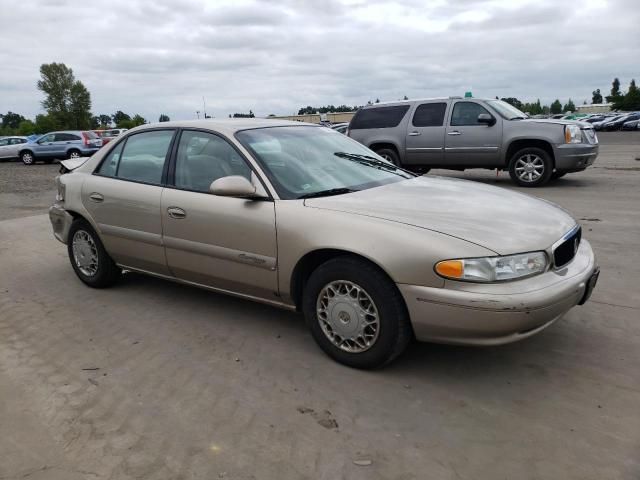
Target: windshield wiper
[(328, 193), (369, 161)]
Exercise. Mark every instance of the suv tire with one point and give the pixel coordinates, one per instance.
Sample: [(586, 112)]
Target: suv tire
[(89, 259), (390, 155), (530, 167), (73, 154), (27, 158), (339, 297)]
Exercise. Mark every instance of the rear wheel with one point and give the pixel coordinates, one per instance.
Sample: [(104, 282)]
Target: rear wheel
[(389, 155), (27, 158), (356, 313), (531, 167), (73, 154), (89, 259)]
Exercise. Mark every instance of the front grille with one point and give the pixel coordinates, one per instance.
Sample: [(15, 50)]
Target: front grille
[(565, 252)]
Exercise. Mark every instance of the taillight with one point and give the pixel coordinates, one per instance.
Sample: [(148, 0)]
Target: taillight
[(85, 138)]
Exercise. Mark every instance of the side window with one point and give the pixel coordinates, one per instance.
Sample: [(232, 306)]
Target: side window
[(379, 117), (466, 113), (429, 115), (204, 157), (4, 142), (47, 138), (141, 159)]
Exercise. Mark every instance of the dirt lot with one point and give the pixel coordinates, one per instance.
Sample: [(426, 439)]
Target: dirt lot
[(152, 380)]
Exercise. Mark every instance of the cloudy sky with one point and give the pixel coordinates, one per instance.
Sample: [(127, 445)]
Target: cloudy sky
[(163, 56)]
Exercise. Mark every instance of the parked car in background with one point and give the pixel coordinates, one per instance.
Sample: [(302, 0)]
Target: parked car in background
[(598, 126), (371, 254), (460, 133), (557, 116), (340, 127), (593, 119), (631, 125), (617, 123), (58, 145), (10, 147)]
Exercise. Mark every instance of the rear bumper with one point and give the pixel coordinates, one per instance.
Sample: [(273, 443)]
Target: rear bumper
[(575, 156), (61, 222), (493, 314)]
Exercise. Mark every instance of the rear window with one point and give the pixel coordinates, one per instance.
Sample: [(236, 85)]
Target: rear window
[(379, 117), (429, 115), (93, 135)]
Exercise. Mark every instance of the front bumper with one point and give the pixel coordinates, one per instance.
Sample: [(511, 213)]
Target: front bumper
[(493, 314), (576, 156), (61, 221)]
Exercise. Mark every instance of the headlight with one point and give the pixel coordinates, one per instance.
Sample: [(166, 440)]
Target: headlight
[(493, 269), (572, 134)]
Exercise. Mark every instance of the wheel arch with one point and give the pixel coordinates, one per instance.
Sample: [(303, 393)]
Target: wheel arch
[(377, 145), (312, 260), (521, 143)]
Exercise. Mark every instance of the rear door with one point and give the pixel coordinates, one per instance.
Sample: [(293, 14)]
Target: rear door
[(223, 242), (5, 148), (425, 134), (469, 142), (123, 198)]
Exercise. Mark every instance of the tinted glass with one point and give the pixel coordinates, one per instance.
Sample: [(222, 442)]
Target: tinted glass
[(92, 135), (379, 117), (203, 158), (466, 113), (17, 141), (66, 137), (429, 115), (109, 166), (4, 141), (301, 161)]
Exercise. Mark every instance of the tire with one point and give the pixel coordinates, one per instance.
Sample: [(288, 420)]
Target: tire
[(27, 158), (390, 155), (538, 174), (558, 174), (73, 154), (104, 272), (347, 276)]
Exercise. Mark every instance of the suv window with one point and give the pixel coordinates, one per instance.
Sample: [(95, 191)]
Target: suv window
[(4, 141), (466, 113), (204, 157), (91, 135), (47, 138), (429, 115), (17, 141), (140, 158), (379, 117), (66, 137)]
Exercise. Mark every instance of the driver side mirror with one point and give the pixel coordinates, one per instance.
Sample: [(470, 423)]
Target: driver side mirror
[(486, 119), (234, 186)]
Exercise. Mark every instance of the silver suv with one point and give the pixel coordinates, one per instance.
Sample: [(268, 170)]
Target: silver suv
[(459, 133)]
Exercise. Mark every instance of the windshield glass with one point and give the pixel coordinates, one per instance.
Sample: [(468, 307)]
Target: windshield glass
[(309, 161), (506, 110)]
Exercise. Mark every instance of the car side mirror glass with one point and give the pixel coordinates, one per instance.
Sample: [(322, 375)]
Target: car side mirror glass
[(233, 186), (486, 119)]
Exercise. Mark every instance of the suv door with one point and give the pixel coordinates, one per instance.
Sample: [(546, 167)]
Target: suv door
[(5, 149), (425, 134), (123, 198), (45, 147), (469, 142), (223, 242)]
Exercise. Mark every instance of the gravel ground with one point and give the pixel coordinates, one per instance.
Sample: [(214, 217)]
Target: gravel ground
[(153, 380)]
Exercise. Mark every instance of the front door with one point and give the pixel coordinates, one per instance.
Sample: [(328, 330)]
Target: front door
[(425, 134), (223, 242), (45, 146), (469, 142), (123, 198)]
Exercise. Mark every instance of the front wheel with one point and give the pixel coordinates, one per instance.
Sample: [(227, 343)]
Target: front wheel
[(531, 167), (356, 313), (27, 158), (89, 259)]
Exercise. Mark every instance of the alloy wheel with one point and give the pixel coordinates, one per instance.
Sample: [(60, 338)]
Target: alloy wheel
[(85, 253), (529, 168)]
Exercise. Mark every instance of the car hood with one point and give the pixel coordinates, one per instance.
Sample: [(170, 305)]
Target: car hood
[(500, 220), (555, 121)]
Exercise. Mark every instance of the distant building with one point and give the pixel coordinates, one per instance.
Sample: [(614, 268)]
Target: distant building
[(337, 117), (594, 108)]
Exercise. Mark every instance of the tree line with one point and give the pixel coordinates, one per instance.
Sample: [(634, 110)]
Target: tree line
[(68, 107)]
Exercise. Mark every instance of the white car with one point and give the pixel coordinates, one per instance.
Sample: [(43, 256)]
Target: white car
[(10, 147)]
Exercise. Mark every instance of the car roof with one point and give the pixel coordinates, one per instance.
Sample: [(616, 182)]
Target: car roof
[(227, 126), (432, 99)]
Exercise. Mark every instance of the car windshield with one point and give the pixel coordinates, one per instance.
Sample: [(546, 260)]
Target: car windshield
[(507, 110), (304, 161)]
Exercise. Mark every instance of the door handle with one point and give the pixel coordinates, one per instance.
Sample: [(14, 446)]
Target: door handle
[(455, 132), (175, 212), (96, 197), (414, 134)]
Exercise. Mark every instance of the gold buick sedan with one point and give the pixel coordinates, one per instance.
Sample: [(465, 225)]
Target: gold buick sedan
[(302, 217)]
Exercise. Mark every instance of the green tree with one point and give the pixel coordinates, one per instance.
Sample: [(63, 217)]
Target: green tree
[(67, 101), (569, 106), (104, 120), (513, 101), (11, 120), (163, 118), (377, 100), (616, 97), (556, 107), (119, 117), (138, 120), (631, 99), (406, 98), (597, 96), (44, 123), (26, 127)]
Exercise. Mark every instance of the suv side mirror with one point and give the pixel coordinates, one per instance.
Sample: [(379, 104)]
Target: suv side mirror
[(486, 119), (233, 186)]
